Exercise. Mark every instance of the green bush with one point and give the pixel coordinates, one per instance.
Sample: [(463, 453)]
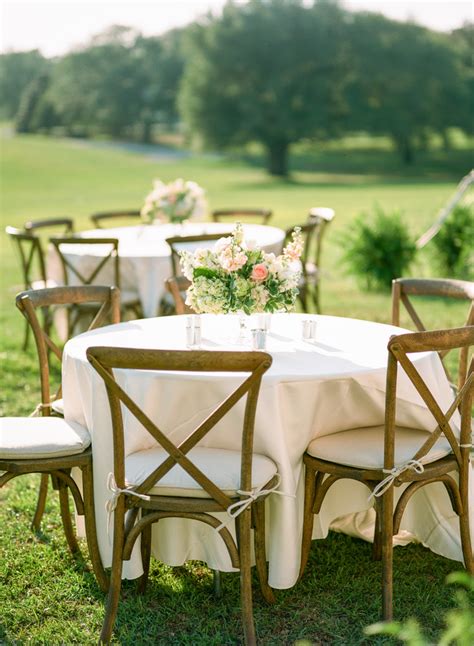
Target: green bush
[(378, 248), (454, 244)]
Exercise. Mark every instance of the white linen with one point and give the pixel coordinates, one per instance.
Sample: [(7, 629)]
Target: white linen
[(311, 390), (145, 257)]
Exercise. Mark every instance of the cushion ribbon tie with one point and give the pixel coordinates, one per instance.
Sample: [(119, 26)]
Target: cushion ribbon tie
[(386, 483), (238, 507), (111, 503)]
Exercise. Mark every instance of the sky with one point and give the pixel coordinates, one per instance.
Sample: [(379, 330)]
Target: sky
[(55, 27)]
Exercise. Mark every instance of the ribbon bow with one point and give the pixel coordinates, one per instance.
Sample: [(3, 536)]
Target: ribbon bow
[(387, 482), (111, 503), (238, 507)]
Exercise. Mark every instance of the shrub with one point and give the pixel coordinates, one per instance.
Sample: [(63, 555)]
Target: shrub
[(454, 244), (378, 248)]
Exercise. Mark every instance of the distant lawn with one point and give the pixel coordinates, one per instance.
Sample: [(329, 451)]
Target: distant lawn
[(45, 596)]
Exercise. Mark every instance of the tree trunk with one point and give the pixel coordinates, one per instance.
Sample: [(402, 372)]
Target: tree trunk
[(405, 148), (278, 157)]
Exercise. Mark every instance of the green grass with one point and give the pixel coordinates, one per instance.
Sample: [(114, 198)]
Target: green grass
[(48, 598)]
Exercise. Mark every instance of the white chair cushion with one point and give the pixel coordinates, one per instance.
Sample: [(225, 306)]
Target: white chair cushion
[(40, 437), (128, 297), (363, 447), (58, 407), (219, 465), (40, 284)]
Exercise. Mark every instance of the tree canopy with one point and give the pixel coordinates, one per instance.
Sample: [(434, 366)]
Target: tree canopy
[(272, 72)]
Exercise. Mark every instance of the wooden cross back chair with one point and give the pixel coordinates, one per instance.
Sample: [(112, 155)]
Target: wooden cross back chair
[(388, 456), (180, 243), (405, 289), (151, 481), (177, 287), (107, 299), (66, 224), (309, 275), (177, 244), (262, 216), (33, 266), (106, 217), (47, 444), (104, 268)]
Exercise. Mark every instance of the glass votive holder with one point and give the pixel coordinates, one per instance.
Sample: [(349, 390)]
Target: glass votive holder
[(193, 331), (264, 321), (259, 339), (308, 329)]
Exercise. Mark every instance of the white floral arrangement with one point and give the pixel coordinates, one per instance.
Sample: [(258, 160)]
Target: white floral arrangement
[(234, 276), (174, 202)]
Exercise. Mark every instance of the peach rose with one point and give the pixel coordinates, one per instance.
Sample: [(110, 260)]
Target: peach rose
[(259, 273)]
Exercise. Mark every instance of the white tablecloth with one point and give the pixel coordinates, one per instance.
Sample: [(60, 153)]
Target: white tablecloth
[(311, 389), (145, 257)]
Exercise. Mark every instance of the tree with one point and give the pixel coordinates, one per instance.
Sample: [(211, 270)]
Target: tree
[(17, 70), (270, 71), (406, 81), (97, 89), (30, 99)]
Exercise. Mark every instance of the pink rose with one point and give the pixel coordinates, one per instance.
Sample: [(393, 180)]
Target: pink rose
[(259, 273)]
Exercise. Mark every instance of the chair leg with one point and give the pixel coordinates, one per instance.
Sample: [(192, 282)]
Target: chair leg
[(91, 530), (217, 584), (387, 554), (66, 518), (243, 525), (377, 546), (27, 336), (466, 539), (258, 509), (146, 556), (308, 517), (116, 574), (41, 502)]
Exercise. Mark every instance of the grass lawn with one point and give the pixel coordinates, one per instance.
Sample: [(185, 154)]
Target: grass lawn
[(45, 596)]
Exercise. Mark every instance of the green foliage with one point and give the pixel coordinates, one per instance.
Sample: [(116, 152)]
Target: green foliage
[(378, 249), (459, 622), (407, 82), (30, 100), (271, 72), (17, 71), (454, 243)]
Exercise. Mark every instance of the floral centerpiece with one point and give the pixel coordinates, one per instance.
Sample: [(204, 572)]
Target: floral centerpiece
[(236, 277), (174, 202)]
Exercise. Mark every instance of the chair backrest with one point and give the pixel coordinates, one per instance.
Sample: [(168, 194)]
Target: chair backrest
[(177, 286), (322, 216), (106, 217), (107, 261), (29, 302), (31, 255), (181, 243), (104, 360), (309, 232), (404, 289), (66, 224), (399, 349), (260, 215)]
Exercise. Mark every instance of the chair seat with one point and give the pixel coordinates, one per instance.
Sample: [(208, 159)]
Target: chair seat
[(58, 407), (40, 437), (220, 465), (362, 448), (128, 297), (41, 284)]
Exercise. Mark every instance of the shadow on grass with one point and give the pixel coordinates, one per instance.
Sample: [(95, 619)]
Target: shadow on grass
[(371, 166)]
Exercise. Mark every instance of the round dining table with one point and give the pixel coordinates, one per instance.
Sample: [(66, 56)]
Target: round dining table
[(316, 387), (145, 256)]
